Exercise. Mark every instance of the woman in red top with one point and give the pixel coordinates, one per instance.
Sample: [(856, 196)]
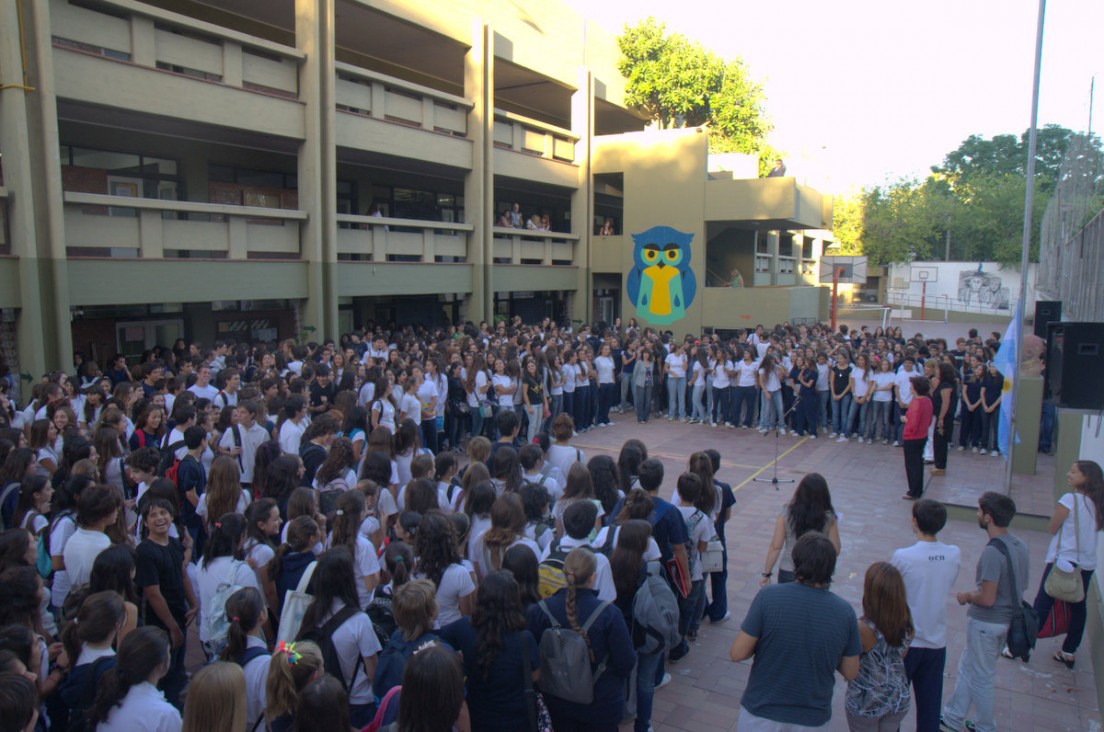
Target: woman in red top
[(917, 420)]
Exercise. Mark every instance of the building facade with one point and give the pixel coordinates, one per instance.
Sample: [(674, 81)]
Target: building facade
[(298, 168)]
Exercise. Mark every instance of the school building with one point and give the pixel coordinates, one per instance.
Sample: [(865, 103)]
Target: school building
[(298, 168)]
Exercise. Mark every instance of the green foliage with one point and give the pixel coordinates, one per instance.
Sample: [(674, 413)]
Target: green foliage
[(847, 222), (679, 83), (976, 194)]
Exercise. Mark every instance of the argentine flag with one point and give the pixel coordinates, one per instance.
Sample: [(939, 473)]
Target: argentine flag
[(1007, 363)]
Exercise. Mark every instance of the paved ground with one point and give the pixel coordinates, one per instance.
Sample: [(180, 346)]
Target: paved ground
[(867, 482)]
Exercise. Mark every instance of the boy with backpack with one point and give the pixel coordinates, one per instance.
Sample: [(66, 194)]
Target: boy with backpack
[(578, 522), (700, 529), (191, 481), (532, 471)]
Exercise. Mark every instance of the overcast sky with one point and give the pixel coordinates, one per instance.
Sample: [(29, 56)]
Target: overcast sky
[(863, 91)]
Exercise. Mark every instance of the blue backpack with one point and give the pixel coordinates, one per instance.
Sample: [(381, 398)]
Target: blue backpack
[(392, 661)]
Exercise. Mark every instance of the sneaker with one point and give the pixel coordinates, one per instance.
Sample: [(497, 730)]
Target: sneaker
[(727, 615), (694, 420), (730, 425), (670, 419), (782, 431), (679, 652), (663, 682), (833, 436), (961, 448), (812, 436), (762, 430), (745, 426), (896, 444), (841, 439), (943, 726), (974, 450), (860, 440), (886, 442), (995, 453), (712, 424)]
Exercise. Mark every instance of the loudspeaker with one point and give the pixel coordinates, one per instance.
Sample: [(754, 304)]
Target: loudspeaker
[(1075, 362), (1046, 312)]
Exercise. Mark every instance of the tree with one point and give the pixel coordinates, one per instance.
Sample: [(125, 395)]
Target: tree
[(679, 83), (847, 222)]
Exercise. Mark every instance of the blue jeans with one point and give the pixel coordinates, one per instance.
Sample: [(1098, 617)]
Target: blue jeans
[(690, 610), (744, 402), (718, 581), (606, 394), (583, 411), (976, 670), (697, 401), (770, 410), (722, 405), (825, 414), (642, 397), (646, 667), (676, 397), (841, 410), (880, 419), (1044, 602), (862, 411), (924, 668)]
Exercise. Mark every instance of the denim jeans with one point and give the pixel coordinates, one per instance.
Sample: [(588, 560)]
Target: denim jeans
[(718, 581), (976, 670), (690, 610), (744, 402), (1044, 602), (770, 410), (862, 411), (924, 668), (626, 387), (697, 401), (880, 419), (676, 397), (646, 666), (535, 412), (722, 405), (642, 397), (825, 412), (606, 394), (841, 410)]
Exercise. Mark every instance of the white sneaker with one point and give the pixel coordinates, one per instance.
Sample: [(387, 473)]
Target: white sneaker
[(859, 440), (663, 682), (975, 449), (995, 453), (782, 431), (896, 444), (841, 439), (833, 436), (812, 436), (762, 430), (961, 448)]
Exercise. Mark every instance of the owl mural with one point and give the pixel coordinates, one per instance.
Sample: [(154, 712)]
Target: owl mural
[(661, 284)]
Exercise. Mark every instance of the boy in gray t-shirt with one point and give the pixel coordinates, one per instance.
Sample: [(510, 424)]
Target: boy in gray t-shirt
[(991, 606)]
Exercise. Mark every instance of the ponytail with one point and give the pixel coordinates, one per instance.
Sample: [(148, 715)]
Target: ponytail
[(579, 566), (399, 559), (301, 530), (292, 667), (346, 522), (140, 653), (243, 610), (97, 621)]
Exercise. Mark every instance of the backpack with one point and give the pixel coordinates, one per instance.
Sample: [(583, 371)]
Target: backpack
[(392, 661), (1024, 628), (168, 466), (655, 614), (251, 654), (328, 495), (295, 604), (215, 624), (10, 495), (322, 636), (383, 619), (550, 574), (565, 670), (78, 691)]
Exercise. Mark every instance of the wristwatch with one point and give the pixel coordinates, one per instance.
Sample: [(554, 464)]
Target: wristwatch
[(767, 574)]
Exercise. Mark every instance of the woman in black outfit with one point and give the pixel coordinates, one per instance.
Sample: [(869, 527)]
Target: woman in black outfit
[(944, 400)]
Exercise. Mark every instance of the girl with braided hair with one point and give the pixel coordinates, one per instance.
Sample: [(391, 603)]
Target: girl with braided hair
[(606, 635)]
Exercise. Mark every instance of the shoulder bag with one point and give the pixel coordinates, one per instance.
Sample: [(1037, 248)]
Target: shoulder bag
[(1060, 584)]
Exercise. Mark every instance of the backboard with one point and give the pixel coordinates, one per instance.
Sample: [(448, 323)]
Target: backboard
[(920, 273), (851, 269)]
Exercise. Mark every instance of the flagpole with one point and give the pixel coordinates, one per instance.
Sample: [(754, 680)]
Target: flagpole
[(1029, 196)]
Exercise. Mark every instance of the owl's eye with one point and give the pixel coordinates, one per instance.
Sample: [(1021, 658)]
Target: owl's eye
[(650, 255), (672, 255)]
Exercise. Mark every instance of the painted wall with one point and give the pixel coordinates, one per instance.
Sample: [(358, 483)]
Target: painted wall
[(979, 287)]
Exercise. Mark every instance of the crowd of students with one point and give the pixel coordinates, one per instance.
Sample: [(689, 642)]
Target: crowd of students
[(333, 559)]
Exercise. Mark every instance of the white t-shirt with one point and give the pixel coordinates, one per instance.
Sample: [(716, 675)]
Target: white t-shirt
[(62, 531), (603, 576), (549, 483), (410, 408), (568, 373), (175, 436), (1085, 527), (651, 554), (504, 400), (721, 379), (479, 392), (210, 576), (883, 378), (251, 439), (456, 582), (771, 379), (929, 569), (904, 385), (428, 397), (823, 371), (700, 529), (482, 555), (366, 563), (143, 709), (261, 554), (201, 507), (676, 365), (386, 414), (355, 638), (563, 456), (256, 675), (290, 436), (858, 376), (366, 394), (604, 366), (479, 524), (204, 392), (745, 373), (80, 552)]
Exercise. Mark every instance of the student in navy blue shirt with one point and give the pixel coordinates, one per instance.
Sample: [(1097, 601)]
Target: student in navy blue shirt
[(607, 638), (191, 479)]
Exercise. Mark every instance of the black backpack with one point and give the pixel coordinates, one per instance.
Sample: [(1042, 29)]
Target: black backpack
[(322, 636), (78, 691), (1024, 628)]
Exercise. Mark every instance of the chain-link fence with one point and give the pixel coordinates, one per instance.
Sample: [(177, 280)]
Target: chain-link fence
[(1071, 255)]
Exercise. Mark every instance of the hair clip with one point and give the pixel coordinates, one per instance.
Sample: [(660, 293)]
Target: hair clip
[(218, 525), (399, 559), (339, 512), (235, 619), (293, 656)]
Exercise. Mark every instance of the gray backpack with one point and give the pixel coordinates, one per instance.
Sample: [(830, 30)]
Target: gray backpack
[(655, 614), (565, 670)]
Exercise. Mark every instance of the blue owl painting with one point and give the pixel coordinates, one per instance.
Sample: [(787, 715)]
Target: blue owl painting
[(661, 284)]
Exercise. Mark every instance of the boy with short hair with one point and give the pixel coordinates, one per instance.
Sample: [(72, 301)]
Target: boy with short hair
[(532, 464)]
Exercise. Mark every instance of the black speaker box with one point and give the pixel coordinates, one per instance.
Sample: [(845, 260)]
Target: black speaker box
[(1075, 365), (1046, 312)]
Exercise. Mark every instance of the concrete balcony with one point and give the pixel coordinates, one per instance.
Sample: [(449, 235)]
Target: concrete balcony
[(528, 149), (768, 203), (381, 113), (199, 72), (546, 248), (379, 239)]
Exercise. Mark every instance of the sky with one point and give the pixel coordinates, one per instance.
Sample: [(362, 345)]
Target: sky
[(863, 92)]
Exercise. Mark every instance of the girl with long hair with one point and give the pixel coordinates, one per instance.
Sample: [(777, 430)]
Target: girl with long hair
[(810, 509), (224, 493), (246, 647), (494, 643), (579, 487), (290, 560), (324, 707), (507, 530), (1074, 527), (127, 697), (222, 564), (606, 636), (351, 511), (523, 565), (435, 545), (282, 478), (433, 692), (292, 668), (944, 405), (262, 535), (398, 563), (335, 610), (216, 700), (113, 571), (88, 642), (878, 698)]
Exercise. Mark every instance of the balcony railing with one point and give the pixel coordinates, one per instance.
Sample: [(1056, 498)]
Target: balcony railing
[(762, 263), (382, 239), (521, 246), (116, 226), (383, 97), (148, 36), (529, 136), (786, 265), (808, 266)]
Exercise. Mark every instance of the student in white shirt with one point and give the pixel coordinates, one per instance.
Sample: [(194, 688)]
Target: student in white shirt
[(203, 388), (507, 530), (578, 522), (291, 431), (245, 646), (222, 564), (97, 508), (929, 568), (351, 511), (903, 386), (532, 463), (561, 453), (243, 439), (334, 611), (746, 379), (674, 367), (695, 502), (128, 699), (435, 545)]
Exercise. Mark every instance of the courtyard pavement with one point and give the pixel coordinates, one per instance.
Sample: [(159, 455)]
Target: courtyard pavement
[(867, 482)]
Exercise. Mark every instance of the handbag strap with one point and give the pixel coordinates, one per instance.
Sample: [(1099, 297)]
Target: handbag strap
[(304, 580), (1076, 527), (1016, 595)]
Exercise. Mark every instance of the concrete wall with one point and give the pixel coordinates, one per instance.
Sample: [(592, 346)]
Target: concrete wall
[(963, 288)]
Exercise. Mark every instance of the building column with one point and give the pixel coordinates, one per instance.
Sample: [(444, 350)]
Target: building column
[(479, 182), (772, 252), (314, 35), (32, 175), (582, 199)]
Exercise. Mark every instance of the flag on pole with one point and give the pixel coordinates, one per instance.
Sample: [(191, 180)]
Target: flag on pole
[(1007, 364)]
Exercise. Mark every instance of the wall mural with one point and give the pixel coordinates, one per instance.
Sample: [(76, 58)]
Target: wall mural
[(983, 288), (661, 284)]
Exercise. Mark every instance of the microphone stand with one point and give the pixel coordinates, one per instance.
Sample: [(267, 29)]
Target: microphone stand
[(775, 480)]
